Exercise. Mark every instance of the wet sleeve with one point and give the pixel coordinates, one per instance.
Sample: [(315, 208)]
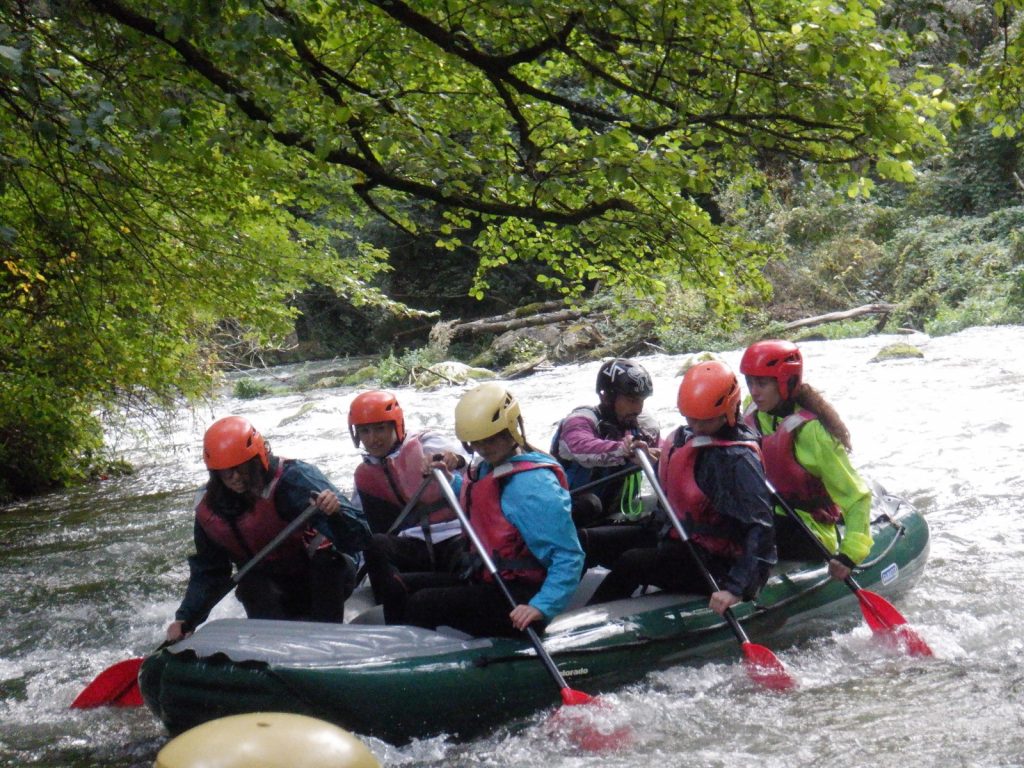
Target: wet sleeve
[(209, 580), (733, 479), (580, 442), (539, 508), (826, 459), (347, 529)]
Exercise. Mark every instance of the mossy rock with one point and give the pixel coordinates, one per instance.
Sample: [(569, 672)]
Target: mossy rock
[(329, 382), (362, 376), (306, 408), (898, 351), (449, 373), (697, 357)]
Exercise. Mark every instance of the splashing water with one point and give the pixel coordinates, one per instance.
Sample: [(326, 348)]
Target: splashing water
[(92, 576)]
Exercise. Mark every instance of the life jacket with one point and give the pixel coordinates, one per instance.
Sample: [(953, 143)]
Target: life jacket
[(482, 501), (798, 487), (246, 534), (385, 487), (578, 475), (676, 471)]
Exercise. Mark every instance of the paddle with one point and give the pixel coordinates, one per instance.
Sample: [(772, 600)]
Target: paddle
[(118, 685), (879, 613), (570, 697), (761, 664), (361, 574), (607, 478)]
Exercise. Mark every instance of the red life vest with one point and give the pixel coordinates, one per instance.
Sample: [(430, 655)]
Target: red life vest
[(704, 525), (385, 486), (798, 487), (505, 544), (246, 534)]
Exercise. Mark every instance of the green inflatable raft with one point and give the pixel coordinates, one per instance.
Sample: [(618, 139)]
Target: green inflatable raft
[(399, 683)]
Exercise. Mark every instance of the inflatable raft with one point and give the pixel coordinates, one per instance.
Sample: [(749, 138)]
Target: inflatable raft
[(399, 683)]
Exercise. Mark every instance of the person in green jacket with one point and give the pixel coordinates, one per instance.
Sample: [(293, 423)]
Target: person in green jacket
[(805, 449)]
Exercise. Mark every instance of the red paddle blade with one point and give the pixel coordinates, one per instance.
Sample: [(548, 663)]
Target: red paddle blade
[(884, 619), (879, 613), (765, 669), (571, 698), (116, 686), (583, 726), (913, 642)]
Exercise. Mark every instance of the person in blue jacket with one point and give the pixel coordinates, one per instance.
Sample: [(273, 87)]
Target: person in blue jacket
[(250, 497), (519, 507)]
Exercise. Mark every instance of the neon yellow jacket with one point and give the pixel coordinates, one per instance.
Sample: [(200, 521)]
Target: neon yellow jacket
[(822, 455)]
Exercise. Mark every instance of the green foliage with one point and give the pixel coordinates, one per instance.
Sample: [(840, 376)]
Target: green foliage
[(172, 169), (997, 84), (250, 389), (976, 178), (398, 371), (845, 329)]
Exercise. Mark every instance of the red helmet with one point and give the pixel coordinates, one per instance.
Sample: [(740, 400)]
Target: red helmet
[(232, 441), (372, 408), (775, 359), (709, 389)]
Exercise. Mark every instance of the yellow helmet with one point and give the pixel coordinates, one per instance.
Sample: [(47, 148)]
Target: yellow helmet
[(488, 410)]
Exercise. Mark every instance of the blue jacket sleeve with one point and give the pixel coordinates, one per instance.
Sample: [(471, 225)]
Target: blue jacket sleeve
[(539, 507)]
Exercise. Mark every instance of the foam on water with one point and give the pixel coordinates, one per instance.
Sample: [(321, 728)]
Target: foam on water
[(93, 576)]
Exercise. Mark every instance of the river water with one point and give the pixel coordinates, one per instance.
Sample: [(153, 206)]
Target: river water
[(93, 576)]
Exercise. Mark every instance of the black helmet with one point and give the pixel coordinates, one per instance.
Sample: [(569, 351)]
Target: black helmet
[(624, 377)]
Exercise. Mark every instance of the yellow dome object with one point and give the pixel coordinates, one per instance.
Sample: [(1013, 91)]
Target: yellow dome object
[(487, 410), (266, 740)]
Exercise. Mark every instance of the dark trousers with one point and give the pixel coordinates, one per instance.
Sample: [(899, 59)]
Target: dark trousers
[(477, 608), (316, 593), (792, 541), (669, 565), (389, 558), (604, 544)]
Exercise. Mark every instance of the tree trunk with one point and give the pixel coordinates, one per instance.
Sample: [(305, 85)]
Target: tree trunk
[(833, 317), (504, 323)]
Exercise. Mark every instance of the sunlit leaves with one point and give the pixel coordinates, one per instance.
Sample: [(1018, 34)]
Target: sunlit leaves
[(206, 160)]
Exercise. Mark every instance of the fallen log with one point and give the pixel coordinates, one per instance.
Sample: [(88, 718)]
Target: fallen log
[(495, 325), (834, 317)]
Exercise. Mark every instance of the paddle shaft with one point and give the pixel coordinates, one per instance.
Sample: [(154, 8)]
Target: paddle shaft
[(652, 478), (361, 574), (275, 542), (119, 685), (788, 509), (602, 480), (413, 500), (538, 646)]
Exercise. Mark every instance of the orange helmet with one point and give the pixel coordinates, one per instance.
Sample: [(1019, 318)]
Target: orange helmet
[(372, 408), (775, 359), (709, 389), (232, 441)]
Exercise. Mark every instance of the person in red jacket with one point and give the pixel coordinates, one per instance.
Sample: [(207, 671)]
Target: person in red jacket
[(419, 539), (250, 497), (712, 474)]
